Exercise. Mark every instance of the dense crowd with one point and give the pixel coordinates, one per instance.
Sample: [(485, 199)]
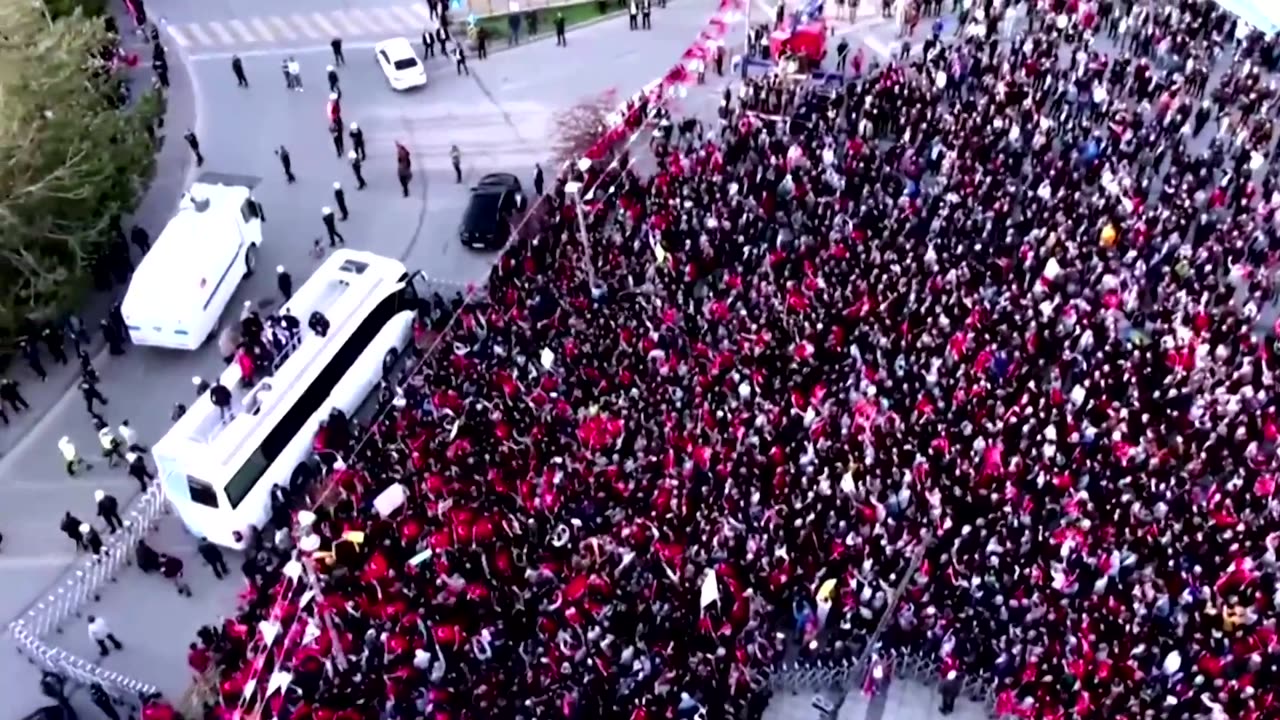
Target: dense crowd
[(990, 325)]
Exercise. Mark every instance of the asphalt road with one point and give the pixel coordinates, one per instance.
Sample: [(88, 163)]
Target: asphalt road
[(500, 117)]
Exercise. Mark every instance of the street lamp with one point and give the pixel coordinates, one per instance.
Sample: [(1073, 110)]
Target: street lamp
[(575, 190)]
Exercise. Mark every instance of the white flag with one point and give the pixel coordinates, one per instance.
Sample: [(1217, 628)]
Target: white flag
[(278, 681), (710, 590)]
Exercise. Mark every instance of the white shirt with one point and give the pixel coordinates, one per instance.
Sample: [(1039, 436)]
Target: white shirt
[(98, 629), (129, 434), (67, 449), (294, 67), (106, 438)]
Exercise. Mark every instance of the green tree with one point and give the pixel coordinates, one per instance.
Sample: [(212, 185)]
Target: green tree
[(69, 159)]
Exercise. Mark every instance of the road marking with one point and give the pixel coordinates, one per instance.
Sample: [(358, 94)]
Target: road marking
[(208, 55), (348, 27), (422, 12), (282, 27), (306, 26), (177, 36), (363, 21), (389, 21), (24, 562), (223, 36), (324, 24), (242, 30), (261, 28), (405, 17), (877, 46)]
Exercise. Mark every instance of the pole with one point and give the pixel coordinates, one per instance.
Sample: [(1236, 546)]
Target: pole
[(575, 189), (339, 658)]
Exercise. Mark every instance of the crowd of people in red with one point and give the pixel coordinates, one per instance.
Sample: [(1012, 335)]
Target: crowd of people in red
[(991, 325)]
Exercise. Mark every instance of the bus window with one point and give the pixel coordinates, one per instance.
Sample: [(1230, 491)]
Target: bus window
[(246, 477), (202, 493)]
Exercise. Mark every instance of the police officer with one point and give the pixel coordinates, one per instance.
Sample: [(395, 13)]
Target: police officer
[(108, 510), (237, 67), (950, 690), (284, 282), (286, 162), (357, 141), (455, 159), (340, 198), (102, 701), (53, 341), (331, 227), (110, 444), (138, 465), (333, 80), (32, 355), (356, 167), (212, 554), (92, 395), (140, 239), (335, 131), (70, 526), (194, 143), (11, 396), (115, 343)]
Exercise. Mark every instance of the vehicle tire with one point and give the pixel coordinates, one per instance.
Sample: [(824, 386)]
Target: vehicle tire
[(250, 260)]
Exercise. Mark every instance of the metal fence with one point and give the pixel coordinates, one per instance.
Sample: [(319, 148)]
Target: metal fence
[(79, 587), (827, 677)]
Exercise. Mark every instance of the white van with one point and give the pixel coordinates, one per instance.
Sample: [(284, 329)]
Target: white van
[(182, 285)]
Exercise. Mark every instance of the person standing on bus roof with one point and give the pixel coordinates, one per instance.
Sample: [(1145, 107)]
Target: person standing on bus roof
[(220, 396), (284, 282), (202, 387)]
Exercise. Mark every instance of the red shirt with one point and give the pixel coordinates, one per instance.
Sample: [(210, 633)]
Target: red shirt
[(199, 660)]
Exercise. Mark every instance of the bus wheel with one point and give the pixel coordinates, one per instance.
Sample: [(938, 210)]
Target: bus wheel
[(250, 260)]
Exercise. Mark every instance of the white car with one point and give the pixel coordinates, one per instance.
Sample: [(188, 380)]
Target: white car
[(400, 64)]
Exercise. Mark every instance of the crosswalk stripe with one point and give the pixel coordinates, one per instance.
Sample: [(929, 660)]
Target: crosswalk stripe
[(363, 21), (261, 28), (405, 17), (422, 12), (223, 36), (348, 27), (177, 36), (305, 26), (324, 24), (282, 27), (199, 34), (242, 30), (386, 19)]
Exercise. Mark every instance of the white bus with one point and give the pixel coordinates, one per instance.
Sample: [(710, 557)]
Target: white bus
[(218, 473), (176, 296)]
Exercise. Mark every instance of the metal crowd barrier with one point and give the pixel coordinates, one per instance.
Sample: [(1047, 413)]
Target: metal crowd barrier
[(80, 586)]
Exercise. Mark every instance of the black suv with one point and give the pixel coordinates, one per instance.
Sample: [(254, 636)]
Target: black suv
[(486, 223)]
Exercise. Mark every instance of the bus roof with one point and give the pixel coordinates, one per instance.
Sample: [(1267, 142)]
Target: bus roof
[(344, 289)]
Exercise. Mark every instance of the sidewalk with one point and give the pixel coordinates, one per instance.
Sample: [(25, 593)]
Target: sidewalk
[(157, 204)]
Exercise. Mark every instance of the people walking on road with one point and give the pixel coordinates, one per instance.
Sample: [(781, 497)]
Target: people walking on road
[(193, 142), (404, 168), (74, 326), (428, 44), (138, 469), (53, 342), (286, 162), (70, 527), (646, 15), (482, 43), (129, 438), (335, 132), (357, 141), (237, 68), (538, 180), (91, 395), (212, 554), (284, 282), (332, 74), (460, 59), (338, 58), (357, 169), (31, 354), (10, 395), (72, 457), (92, 540), (561, 40), (842, 55), (110, 445), (111, 333), (140, 239), (633, 15), (100, 633), (340, 199), (108, 510), (455, 159), (331, 227), (333, 110), (294, 71), (103, 702)]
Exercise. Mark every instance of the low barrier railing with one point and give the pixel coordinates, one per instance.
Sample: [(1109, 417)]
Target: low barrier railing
[(80, 586)]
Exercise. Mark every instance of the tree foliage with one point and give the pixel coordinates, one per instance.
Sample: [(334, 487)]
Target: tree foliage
[(69, 159)]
